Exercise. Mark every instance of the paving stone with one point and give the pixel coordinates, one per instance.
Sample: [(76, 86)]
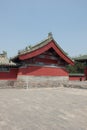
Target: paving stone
[(43, 109)]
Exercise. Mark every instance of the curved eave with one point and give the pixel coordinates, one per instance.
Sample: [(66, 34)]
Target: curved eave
[(44, 48), (76, 74), (8, 65)]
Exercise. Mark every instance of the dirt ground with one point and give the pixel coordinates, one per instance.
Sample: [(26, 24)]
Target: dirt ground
[(43, 109)]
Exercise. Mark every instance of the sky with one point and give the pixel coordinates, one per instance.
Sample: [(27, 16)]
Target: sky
[(27, 22)]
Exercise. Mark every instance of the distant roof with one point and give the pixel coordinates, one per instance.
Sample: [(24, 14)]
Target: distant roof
[(81, 58), (5, 61), (30, 49)]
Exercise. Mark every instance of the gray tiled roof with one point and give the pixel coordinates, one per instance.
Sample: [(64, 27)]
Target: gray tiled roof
[(39, 45), (81, 58), (35, 47), (5, 61)]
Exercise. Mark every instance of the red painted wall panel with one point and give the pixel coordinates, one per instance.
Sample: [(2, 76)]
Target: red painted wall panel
[(46, 60), (76, 78), (11, 75), (42, 71)]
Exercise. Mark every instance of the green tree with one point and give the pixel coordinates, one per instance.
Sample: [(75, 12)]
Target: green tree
[(77, 68)]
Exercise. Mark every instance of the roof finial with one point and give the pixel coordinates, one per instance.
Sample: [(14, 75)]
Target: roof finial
[(50, 35), (4, 53)]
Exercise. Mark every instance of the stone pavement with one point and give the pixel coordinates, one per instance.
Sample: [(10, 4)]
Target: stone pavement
[(43, 109)]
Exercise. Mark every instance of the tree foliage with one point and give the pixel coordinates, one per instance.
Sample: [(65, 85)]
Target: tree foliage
[(77, 68)]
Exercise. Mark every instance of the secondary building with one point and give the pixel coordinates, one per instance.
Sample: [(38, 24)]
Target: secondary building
[(83, 59), (8, 69)]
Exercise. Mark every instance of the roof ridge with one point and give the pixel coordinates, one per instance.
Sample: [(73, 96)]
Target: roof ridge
[(34, 47)]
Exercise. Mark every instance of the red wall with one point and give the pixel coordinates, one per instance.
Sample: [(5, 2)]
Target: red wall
[(11, 75), (77, 78), (42, 71)]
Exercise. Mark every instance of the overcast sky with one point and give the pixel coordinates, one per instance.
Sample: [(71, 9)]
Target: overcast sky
[(25, 22)]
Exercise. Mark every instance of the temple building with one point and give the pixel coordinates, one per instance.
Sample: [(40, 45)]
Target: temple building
[(45, 59), (83, 59), (8, 69)]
